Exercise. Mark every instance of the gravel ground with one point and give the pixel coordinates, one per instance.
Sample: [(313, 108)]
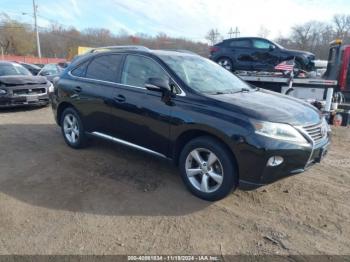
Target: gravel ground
[(108, 199)]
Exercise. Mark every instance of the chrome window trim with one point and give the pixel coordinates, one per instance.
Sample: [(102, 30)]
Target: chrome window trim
[(126, 143), (108, 82)]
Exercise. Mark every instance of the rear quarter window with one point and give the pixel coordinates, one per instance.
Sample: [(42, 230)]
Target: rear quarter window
[(80, 70)]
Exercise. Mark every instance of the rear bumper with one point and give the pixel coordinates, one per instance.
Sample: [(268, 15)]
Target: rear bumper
[(23, 100), (255, 172)]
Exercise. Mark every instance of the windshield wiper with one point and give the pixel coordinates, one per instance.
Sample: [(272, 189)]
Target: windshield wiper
[(242, 90), (230, 92)]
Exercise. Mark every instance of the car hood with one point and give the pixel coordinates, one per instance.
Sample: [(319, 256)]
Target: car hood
[(270, 106), (299, 52), (22, 80)]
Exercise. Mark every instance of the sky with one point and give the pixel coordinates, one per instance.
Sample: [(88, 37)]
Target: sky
[(191, 19)]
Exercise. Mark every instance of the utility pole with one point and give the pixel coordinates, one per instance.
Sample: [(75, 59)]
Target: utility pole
[(230, 33), (35, 7), (235, 33)]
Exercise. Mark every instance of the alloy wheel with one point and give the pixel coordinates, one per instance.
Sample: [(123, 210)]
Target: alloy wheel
[(204, 170), (71, 128), (225, 63)]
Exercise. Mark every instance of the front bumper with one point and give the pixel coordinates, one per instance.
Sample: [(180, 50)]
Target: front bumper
[(23, 100), (255, 172)]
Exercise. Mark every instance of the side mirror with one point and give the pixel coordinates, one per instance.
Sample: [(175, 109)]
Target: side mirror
[(272, 47), (157, 84)]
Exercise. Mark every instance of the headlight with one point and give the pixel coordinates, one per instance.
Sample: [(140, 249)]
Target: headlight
[(51, 88), (278, 131), (3, 92)]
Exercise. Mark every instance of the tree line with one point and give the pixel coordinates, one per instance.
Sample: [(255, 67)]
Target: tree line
[(17, 38)]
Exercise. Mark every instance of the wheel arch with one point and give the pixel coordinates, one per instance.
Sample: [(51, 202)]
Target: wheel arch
[(224, 56), (301, 61), (61, 107), (191, 134)]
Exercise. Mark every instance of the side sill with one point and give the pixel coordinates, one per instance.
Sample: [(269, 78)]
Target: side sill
[(246, 185), (126, 143)]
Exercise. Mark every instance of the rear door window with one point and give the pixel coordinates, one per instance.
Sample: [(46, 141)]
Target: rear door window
[(245, 43), (105, 68)]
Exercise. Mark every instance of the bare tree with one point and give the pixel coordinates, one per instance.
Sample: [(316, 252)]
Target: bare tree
[(342, 25), (213, 36), (301, 35), (263, 32), (16, 37)]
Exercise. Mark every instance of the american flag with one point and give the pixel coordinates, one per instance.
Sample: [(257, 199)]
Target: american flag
[(285, 65)]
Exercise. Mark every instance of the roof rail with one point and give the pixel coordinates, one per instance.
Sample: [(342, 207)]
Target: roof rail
[(186, 51), (182, 51), (119, 47)]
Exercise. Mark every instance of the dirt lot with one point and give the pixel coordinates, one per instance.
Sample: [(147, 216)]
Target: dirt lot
[(108, 199)]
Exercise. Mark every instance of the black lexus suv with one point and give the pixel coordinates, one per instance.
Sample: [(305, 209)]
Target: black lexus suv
[(221, 132), (257, 54)]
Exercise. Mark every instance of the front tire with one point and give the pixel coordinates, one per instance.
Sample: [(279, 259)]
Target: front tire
[(73, 129), (207, 169)]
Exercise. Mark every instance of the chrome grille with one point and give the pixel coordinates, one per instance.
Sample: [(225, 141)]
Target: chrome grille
[(27, 91), (315, 132)]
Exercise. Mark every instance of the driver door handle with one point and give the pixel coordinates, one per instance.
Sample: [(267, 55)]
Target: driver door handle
[(77, 89), (119, 98)]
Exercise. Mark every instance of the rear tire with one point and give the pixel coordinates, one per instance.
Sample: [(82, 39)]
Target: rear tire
[(72, 129), (207, 168), (226, 63)]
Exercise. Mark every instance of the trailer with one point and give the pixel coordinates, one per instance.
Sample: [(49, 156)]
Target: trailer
[(330, 89), (303, 88)]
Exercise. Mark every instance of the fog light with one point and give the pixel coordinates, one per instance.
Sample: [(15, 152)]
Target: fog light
[(275, 161)]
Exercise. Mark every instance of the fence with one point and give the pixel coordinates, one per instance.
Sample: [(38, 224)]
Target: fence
[(32, 59)]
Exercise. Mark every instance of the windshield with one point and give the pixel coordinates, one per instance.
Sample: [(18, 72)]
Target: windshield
[(203, 75), (13, 69), (50, 69)]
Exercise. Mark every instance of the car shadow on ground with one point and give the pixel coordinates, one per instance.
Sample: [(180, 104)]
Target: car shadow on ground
[(38, 168), (19, 109)]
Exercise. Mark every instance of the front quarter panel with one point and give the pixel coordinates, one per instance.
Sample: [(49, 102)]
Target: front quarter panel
[(202, 114)]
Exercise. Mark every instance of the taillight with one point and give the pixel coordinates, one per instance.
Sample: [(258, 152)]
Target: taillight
[(213, 49)]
